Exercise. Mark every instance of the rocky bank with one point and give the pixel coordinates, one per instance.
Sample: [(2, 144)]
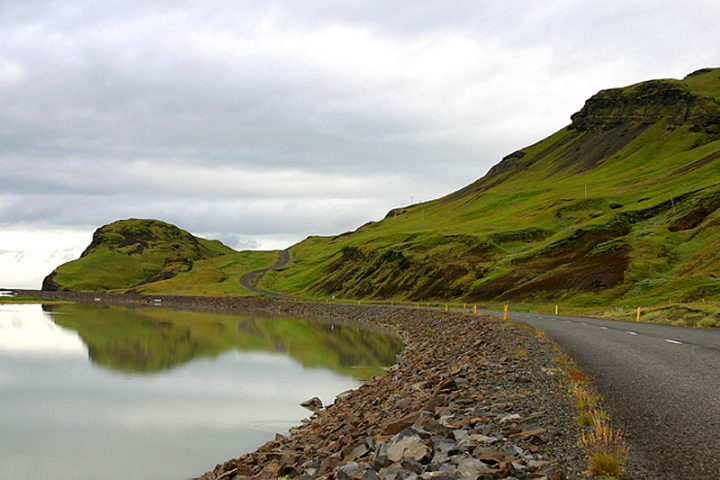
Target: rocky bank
[(470, 397)]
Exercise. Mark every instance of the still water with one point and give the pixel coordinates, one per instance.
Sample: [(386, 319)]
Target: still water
[(115, 393)]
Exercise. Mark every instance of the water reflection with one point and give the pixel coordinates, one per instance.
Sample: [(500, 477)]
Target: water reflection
[(177, 393), (26, 328), (152, 340)]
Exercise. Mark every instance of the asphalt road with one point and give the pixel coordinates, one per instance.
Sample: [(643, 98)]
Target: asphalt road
[(661, 386), (248, 280)]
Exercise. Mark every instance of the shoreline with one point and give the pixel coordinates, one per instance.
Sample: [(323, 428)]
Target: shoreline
[(469, 396)]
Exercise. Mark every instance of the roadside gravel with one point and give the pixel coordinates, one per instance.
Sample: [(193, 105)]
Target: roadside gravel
[(469, 397)]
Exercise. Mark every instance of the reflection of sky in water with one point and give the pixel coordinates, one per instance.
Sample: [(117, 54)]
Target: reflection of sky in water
[(65, 418), (26, 328)]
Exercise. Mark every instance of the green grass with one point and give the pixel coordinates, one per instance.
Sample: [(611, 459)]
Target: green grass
[(214, 277), (490, 231), (624, 213), (22, 299)]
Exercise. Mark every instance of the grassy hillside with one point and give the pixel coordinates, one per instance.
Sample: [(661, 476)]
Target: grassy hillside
[(620, 205), (132, 253)]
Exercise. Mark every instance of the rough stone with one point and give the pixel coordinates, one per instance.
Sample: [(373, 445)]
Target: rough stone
[(455, 385), (314, 404)]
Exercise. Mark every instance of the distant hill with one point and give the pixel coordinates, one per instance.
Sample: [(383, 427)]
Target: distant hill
[(130, 253), (621, 205)]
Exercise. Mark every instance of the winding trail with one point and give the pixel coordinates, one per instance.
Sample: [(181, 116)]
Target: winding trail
[(249, 279), (661, 384)]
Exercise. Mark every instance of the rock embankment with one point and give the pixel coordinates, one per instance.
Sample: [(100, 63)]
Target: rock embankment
[(469, 397)]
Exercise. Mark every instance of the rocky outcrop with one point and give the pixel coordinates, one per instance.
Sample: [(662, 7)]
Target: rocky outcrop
[(134, 236), (647, 103), (49, 283)]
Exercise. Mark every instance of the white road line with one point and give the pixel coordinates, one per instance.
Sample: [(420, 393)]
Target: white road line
[(632, 333), (674, 341), (584, 323), (604, 328)]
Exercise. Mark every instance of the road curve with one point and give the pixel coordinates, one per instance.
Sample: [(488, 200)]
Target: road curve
[(661, 385), (247, 281)]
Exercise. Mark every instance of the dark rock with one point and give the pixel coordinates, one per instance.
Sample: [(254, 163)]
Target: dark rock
[(314, 404), (399, 425), (348, 471)]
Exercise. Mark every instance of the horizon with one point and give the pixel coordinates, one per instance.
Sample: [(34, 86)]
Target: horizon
[(264, 123)]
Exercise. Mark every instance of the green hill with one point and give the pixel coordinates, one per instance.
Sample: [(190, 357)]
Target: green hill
[(132, 253), (621, 207), (622, 204)]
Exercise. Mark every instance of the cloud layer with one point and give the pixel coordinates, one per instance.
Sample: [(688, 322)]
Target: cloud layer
[(263, 122)]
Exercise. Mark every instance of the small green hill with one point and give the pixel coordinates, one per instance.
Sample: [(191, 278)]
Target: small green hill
[(621, 205), (132, 253)]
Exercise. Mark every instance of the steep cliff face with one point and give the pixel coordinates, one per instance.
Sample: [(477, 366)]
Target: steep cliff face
[(668, 100)]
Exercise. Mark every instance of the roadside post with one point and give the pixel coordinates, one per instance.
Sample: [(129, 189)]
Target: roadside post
[(638, 314)]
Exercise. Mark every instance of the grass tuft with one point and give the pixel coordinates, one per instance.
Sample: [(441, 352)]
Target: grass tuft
[(606, 449)]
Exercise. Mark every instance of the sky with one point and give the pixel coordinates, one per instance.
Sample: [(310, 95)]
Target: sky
[(260, 123)]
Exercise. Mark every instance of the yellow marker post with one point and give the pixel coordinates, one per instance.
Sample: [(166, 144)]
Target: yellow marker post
[(638, 315), (505, 312), (556, 309), (446, 307), (475, 309)]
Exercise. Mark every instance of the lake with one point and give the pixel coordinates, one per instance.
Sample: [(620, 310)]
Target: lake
[(149, 393)]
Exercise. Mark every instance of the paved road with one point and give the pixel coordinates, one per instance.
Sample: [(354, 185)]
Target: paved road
[(248, 280), (661, 385)]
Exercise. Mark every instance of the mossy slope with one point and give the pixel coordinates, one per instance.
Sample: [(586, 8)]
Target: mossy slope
[(130, 253), (622, 204)]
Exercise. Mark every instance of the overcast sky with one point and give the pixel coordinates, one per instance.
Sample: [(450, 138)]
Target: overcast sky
[(262, 122)]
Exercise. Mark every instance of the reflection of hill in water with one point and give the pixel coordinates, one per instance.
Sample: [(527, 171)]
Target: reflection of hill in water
[(147, 340)]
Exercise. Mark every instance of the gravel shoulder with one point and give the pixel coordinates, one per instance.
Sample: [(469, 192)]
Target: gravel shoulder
[(470, 396)]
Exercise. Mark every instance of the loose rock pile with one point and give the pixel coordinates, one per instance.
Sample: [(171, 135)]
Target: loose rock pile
[(469, 397)]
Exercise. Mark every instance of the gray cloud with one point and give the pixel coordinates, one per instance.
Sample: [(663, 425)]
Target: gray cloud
[(264, 122)]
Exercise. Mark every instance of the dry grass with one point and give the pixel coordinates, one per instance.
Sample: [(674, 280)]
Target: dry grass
[(585, 399), (606, 450), (605, 446), (590, 418)]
